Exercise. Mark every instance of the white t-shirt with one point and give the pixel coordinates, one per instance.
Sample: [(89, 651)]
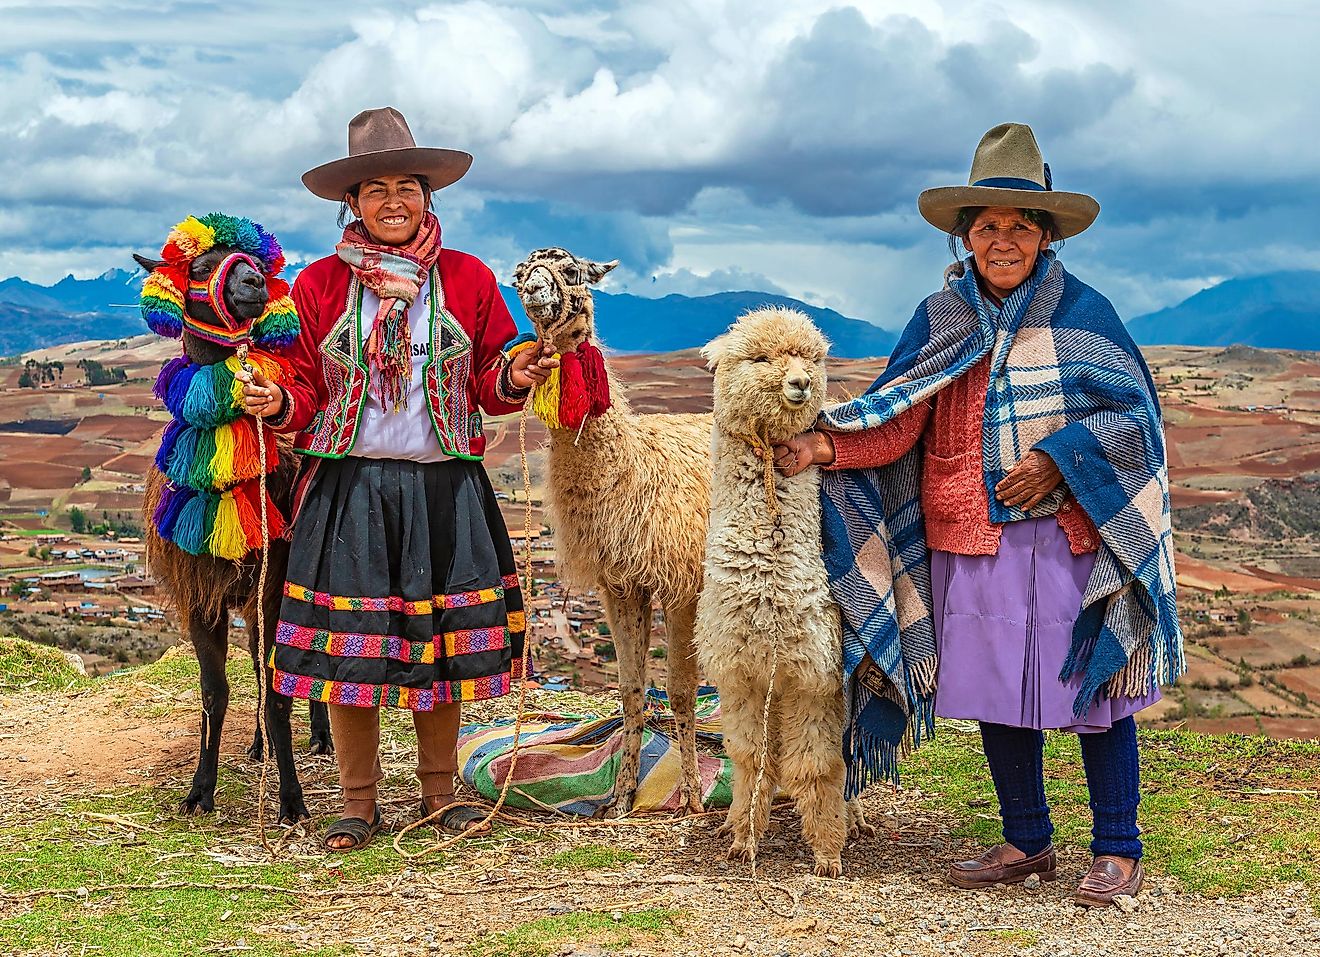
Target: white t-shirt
[(408, 433)]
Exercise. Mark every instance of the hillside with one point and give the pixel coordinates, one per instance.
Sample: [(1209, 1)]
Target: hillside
[(1244, 452), (1278, 310), (95, 859)]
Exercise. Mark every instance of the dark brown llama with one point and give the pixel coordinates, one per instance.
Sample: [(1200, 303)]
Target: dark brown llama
[(204, 588)]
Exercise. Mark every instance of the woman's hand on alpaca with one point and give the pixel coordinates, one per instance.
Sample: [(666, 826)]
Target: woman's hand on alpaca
[(261, 397), (1029, 481), (804, 449), (530, 367)]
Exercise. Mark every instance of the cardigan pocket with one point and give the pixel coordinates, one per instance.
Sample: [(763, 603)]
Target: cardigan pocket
[(949, 485)]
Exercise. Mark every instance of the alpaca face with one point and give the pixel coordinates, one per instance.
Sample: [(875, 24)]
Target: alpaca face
[(552, 285), (769, 373)]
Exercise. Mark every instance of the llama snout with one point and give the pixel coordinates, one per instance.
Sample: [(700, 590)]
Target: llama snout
[(538, 294)]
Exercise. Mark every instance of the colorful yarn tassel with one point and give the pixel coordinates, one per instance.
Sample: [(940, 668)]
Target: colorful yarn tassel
[(167, 440), (200, 475), (172, 500), (249, 517), (222, 462), (199, 409), (574, 402), (597, 379), (190, 527), (227, 538), (167, 373), (545, 400), (209, 452), (181, 458)]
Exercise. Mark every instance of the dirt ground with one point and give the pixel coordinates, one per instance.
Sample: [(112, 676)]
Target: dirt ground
[(893, 899)]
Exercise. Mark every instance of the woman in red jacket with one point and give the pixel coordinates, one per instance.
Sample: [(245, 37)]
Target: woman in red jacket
[(402, 588)]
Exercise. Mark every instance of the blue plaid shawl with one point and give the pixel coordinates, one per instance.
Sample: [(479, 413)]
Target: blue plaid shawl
[(1065, 378)]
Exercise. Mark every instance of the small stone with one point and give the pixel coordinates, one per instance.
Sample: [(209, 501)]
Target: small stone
[(1032, 883), (1126, 903), (617, 915), (740, 942), (832, 939), (1290, 912)]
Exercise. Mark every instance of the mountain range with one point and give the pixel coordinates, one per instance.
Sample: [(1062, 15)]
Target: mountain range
[(33, 316), (1279, 310)]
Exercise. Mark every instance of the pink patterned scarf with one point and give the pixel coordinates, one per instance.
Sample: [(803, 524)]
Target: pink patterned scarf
[(396, 275)]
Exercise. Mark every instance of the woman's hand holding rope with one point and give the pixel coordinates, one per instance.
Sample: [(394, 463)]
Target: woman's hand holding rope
[(261, 397), (530, 367), (807, 448)]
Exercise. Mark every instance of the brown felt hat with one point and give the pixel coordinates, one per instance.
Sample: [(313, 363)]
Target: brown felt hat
[(1007, 170), (380, 144)]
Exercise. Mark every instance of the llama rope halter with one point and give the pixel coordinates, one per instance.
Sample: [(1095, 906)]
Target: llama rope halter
[(579, 388), (215, 502)]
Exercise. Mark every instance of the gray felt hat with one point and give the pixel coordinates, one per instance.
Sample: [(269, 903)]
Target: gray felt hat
[(1007, 170)]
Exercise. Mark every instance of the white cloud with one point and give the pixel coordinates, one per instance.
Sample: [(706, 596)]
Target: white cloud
[(704, 141)]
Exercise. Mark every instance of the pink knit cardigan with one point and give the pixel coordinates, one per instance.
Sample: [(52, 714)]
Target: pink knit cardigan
[(953, 492)]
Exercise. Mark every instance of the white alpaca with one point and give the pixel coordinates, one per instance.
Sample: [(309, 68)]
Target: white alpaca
[(765, 604)]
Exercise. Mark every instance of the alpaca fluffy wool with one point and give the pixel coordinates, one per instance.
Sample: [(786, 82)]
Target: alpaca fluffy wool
[(766, 594)]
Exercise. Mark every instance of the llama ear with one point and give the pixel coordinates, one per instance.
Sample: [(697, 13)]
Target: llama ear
[(596, 271), (150, 265), (714, 351)]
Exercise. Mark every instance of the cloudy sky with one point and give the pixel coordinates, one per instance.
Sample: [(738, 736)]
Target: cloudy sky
[(708, 145)]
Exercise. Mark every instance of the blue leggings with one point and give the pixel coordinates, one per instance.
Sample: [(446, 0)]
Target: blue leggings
[(1112, 777)]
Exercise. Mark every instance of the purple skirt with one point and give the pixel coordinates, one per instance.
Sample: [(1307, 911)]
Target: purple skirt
[(1004, 623)]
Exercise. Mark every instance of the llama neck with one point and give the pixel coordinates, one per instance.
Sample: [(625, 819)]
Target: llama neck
[(203, 352), (602, 435)]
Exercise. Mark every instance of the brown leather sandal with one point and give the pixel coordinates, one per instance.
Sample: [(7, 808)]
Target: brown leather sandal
[(1107, 879), (355, 827), (458, 820)]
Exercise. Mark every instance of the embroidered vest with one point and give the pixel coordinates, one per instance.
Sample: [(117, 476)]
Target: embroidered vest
[(333, 432)]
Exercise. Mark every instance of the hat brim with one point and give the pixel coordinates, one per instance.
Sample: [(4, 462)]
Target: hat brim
[(440, 167), (1072, 212)]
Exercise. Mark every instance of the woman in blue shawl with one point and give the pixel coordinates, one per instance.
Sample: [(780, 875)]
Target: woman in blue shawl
[(996, 524)]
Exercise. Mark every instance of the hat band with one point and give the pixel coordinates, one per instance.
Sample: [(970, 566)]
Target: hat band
[(1010, 182)]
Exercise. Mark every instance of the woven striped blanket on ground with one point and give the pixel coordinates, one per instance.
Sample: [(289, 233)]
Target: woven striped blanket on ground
[(568, 762)]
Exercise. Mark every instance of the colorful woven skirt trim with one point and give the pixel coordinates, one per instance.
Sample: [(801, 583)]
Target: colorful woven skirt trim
[(401, 590)]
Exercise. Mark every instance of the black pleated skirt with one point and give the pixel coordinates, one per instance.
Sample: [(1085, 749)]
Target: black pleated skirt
[(402, 588)]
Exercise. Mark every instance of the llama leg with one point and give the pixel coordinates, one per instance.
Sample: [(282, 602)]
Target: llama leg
[(813, 771), (210, 641), (322, 742), (630, 624), (279, 712), (858, 826), (681, 684), (742, 708), (257, 750)]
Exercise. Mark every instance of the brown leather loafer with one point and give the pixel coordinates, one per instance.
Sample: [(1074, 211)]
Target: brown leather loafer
[(993, 868), (1109, 878)]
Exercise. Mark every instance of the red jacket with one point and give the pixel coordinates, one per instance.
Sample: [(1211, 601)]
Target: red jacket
[(470, 325), (954, 498)]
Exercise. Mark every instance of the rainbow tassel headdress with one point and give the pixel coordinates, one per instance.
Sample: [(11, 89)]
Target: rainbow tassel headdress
[(209, 453), (164, 291)]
